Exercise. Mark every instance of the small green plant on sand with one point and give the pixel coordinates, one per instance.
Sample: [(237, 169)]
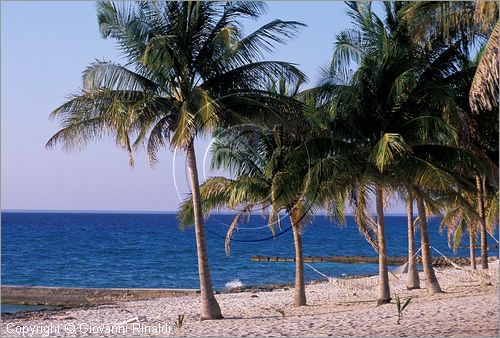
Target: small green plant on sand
[(282, 312), (179, 322), (400, 307)]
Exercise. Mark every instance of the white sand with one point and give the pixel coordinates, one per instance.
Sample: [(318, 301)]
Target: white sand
[(466, 309)]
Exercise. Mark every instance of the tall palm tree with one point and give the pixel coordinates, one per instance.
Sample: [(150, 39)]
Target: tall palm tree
[(472, 20), (189, 69), (480, 134), (271, 172), (440, 175)]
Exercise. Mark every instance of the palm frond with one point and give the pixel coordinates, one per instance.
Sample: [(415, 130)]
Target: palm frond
[(349, 48), (426, 174), (234, 226), (388, 149), (484, 88), (364, 219), (264, 39), (186, 125), (111, 76), (492, 213), (428, 129), (160, 54), (98, 114), (215, 193), (252, 76)]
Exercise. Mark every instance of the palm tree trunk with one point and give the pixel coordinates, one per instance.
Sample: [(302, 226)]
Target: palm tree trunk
[(431, 282), (482, 224), (384, 295), (472, 253), (413, 281), (209, 307), (299, 298)]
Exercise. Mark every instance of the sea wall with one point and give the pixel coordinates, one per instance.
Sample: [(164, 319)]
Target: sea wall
[(62, 296), (437, 261)]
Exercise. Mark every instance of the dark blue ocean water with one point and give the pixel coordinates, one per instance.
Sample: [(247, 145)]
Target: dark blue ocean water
[(148, 250)]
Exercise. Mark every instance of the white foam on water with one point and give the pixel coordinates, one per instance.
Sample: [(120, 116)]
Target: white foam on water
[(235, 283)]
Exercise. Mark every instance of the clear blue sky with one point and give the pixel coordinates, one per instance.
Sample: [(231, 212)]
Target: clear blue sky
[(44, 48)]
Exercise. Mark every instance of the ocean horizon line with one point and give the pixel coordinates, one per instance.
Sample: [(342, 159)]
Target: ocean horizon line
[(167, 212)]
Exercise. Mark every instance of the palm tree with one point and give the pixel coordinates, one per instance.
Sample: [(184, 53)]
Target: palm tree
[(454, 21), (273, 171), (431, 281), (479, 133), (263, 180), (440, 176), (461, 217), (189, 69), (413, 281), (395, 107)]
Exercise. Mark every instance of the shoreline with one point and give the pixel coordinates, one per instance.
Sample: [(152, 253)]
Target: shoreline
[(72, 297), (465, 309)]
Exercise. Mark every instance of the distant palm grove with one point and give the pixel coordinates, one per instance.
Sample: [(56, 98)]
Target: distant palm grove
[(407, 107)]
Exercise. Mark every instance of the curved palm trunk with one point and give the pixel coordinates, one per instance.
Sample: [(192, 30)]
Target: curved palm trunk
[(209, 307), (482, 224), (384, 295), (299, 297), (472, 253), (431, 282), (413, 281)]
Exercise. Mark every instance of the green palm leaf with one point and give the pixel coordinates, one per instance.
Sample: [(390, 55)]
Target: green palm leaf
[(388, 149)]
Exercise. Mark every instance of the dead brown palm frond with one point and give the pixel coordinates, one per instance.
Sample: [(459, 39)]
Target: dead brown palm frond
[(485, 13), (484, 89), (492, 213)]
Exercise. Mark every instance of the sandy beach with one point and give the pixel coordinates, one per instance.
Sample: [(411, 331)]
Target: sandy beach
[(465, 309)]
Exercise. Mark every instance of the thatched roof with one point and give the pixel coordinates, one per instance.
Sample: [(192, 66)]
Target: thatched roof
[(484, 89)]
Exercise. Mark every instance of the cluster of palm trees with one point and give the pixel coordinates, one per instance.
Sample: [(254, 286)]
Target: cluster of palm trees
[(402, 109)]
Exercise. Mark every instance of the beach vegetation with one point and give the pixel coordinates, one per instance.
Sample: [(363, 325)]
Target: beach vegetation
[(179, 323), (400, 307), (282, 312)]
